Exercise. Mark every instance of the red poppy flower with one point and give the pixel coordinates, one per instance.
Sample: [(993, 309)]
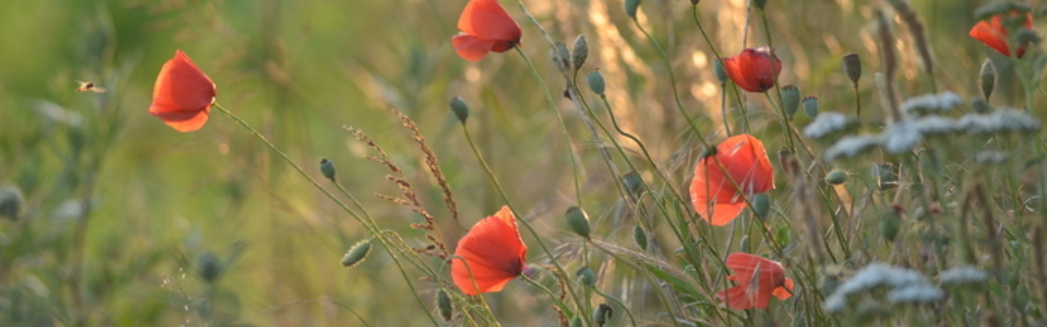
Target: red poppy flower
[(995, 35), (494, 253), (751, 70), (183, 94), (485, 27), (758, 279), (713, 195)]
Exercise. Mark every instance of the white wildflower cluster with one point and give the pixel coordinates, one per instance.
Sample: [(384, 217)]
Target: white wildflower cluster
[(1000, 120), (903, 285), (852, 146), (829, 123), (931, 103), (963, 276), (990, 157), (901, 137)]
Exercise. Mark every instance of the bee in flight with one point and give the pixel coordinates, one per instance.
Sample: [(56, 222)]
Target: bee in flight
[(89, 86)]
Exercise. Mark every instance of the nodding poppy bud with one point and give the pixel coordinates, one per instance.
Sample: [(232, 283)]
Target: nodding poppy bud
[(836, 177), (745, 243), (791, 99), (987, 78), (327, 168), (587, 277), (810, 106), (630, 8), (979, 105), (443, 303), (602, 314), (561, 57), (761, 205), (890, 224), (633, 183), (357, 253), (208, 267), (595, 81), (721, 73), (460, 109), (11, 202), (579, 52), (578, 220), (852, 65), (576, 322), (640, 237)]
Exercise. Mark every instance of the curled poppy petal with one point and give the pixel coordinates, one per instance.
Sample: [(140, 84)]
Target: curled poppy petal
[(745, 161), (994, 35), (485, 27), (491, 255), (753, 70), (758, 279), (183, 94)]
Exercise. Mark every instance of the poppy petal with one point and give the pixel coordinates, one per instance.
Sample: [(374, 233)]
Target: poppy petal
[(745, 159), (470, 47), (493, 252), (990, 37), (487, 19), (734, 68), (183, 120), (784, 292), (758, 279), (181, 85)]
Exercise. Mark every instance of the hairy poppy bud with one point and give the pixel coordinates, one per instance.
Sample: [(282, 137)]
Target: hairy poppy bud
[(579, 52), (630, 8), (852, 65), (208, 266), (357, 253), (633, 183), (761, 205), (810, 106), (979, 105), (561, 57), (790, 100), (602, 314), (460, 109), (576, 322), (987, 78), (836, 177), (578, 220), (745, 243), (11, 202), (443, 303), (587, 277), (595, 81), (640, 237), (890, 224), (327, 168), (721, 74)]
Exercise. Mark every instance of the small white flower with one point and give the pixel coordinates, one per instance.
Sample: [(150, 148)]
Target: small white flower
[(851, 146), (901, 137), (920, 293), (935, 125), (1007, 119), (931, 103), (963, 275), (828, 123)]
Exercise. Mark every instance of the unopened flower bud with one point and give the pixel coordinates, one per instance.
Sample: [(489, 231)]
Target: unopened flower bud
[(979, 105), (460, 109), (11, 202), (579, 52), (208, 267), (790, 100), (327, 168), (745, 243), (587, 277), (761, 205), (357, 253), (695, 2), (557, 59), (602, 314), (576, 322), (852, 65), (810, 106), (630, 8), (633, 183), (595, 81), (721, 73), (890, 224), (987, 78), (578, 220), (443, 303), (640, 237), (836, 177)]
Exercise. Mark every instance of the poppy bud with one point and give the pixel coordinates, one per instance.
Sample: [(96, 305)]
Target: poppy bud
[(561, 57), (595, 81), (791, 99), (587, 277), (443, 303), (979, 105), (836, 177), (11, 202), (460, 109), (810, 106), (640, 237), (578, 220), (579, 52), (633, 183), (760, 3), (987, 78), (327, 168), (357, 253), (890, 224), (602, 314), (576, 322), (208, 267), (721, 74), (852, 65), (745, 243), (630, 8), (761, 205)]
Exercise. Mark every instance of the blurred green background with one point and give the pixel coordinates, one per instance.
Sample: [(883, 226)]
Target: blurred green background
[(125, 220)]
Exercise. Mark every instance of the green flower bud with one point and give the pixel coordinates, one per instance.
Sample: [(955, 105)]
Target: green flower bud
[(745, 243), (460, 109), (587, 277), (630, 8), (443, 303), (979, 105), (595, 81), (602, 314), (987, 78), (633, 183), (11, 202), (761, 205), (790, 99), (640, 237), (836, 177), (890, 224), (578, 220), (810, 106), (852, 65), (357, 253), (327, 168), (208, 267), (576, 322), (579, 52), (721, 73), (561, 57)]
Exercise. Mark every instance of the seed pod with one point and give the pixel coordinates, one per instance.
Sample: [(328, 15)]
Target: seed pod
[(443, 303), (761, 205), (790, 99), (576, 322), (587, 277), (640, 237), (579, 52), (721, 74), (987, 78), (357, 253), (602, 314), (595, 81), (630, 8), (852, 65), (11, 202), (634, 183), (460, 109), (327, 168), (836, 177), (578, 220), (810, 106)]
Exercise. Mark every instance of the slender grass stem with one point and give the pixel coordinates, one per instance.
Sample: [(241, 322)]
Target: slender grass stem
[(777, 87)]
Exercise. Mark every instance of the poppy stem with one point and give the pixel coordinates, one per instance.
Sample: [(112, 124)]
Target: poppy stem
[(777, 88), (734, 87)]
